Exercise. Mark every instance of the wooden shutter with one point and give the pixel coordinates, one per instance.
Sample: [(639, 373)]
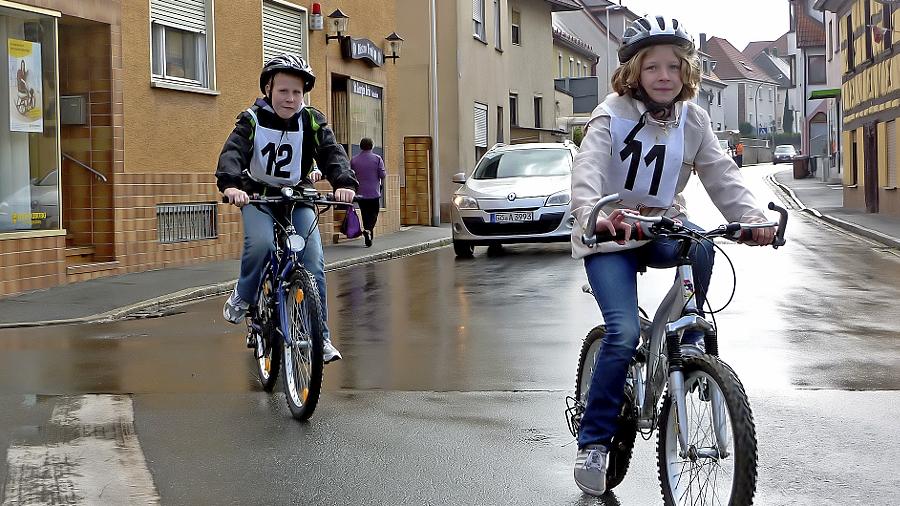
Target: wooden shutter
[(481, 126), (283, 30), (189, 15)]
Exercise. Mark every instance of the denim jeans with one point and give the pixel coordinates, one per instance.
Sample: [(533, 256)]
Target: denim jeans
[(613, 279), (259, 241)]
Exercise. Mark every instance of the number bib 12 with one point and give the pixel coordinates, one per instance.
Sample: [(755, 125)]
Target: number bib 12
[(276, 155), (646, 162)]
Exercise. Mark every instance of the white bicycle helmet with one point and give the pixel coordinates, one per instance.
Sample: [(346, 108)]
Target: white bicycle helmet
[(291, 64), (651, 31)]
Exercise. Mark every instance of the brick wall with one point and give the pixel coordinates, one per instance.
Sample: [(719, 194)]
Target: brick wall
[(31, 263)]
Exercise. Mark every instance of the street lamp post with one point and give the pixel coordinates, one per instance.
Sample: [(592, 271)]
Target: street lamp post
[(611, 7)]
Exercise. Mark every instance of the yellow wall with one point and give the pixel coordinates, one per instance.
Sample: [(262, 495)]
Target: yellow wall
[(566, 54), (847, 143)]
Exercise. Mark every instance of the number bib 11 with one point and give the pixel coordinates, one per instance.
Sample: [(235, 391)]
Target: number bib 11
[(646, 162), (276, 155)]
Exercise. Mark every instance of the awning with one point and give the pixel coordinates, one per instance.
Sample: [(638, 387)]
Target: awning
[(820, 94)]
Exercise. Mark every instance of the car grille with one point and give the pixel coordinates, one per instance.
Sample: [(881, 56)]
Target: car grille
[(548, 223)]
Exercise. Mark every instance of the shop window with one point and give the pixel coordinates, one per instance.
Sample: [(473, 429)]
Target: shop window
[(29, 153), (179, 51)]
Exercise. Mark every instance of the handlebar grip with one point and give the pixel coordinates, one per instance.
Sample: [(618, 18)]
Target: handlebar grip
[(782, 225)]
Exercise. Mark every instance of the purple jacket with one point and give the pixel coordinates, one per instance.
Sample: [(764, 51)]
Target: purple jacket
[(369, 169)]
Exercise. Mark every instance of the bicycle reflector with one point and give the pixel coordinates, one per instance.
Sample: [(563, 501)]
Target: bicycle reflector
[(296, 243), (299, 295)]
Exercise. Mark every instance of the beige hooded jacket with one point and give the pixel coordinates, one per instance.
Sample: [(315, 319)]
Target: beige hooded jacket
[(718, 172)]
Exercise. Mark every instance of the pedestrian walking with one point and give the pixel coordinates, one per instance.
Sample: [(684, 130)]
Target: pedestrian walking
[(739, 154), (369, 169)]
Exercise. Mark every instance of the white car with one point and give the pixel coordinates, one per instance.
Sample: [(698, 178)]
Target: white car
[(517, 193)]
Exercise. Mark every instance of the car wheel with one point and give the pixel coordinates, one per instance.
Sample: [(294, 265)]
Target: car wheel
[(463, 249)]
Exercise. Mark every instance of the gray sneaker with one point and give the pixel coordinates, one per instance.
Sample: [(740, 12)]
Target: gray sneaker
[(235, 308), (590, 469), (331, 353)]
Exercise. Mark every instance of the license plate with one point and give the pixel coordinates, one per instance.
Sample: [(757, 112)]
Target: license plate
[(518, 217)]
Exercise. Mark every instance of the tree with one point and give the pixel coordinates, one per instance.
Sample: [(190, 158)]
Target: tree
[(787, 120), (746, 129), (577, 135)]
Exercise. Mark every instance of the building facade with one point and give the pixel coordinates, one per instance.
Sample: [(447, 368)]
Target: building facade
[(870, 102), (121, 107)]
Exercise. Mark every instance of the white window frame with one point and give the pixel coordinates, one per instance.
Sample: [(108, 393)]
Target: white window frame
[(304, 31), (481, 136), (514, 119), (571, 67), (478, 20), (498, 27), (515, 30), (205, 54), (538, 111)]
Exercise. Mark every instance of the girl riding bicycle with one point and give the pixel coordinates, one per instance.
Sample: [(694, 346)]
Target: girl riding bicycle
[(643, 142)]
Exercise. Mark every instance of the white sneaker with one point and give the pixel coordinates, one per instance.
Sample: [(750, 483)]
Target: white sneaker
[(590, 469), (235, 308), (331, 353)]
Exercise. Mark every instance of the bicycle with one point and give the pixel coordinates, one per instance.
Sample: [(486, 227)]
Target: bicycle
[(287, 323), (705, 422)]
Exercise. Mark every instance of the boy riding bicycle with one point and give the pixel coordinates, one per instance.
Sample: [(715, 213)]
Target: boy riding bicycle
[(643, 143), (273, 145)]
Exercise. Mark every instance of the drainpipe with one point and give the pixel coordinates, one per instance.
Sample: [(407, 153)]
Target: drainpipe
[(435, 154)]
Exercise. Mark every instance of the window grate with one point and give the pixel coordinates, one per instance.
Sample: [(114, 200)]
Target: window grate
[(186, 222)]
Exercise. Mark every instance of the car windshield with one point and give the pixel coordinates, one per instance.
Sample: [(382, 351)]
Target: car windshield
[(784, 150), (524, 163)]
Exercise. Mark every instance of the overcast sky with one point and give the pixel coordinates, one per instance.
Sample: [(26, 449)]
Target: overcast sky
[(739, 21)]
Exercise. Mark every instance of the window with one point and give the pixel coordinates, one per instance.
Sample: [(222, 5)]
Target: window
[(498, 36), (571, 67), (816, 69), (538, 113), (770, 94), (577, 68), (851, 64), (478, 20), (719, 127), (830, 36), (868, 17), (283, 30), (481, 130), (854, 159), (888, 16), (892, 154), (514, 109), (500, 124), (560, 70), (719, 95), (706, 66), (516, 28), (179, 30)]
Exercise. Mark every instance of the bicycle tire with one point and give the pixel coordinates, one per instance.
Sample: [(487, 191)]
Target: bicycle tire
[(622, 445), (269, 348), (698, 372), (303, 367)]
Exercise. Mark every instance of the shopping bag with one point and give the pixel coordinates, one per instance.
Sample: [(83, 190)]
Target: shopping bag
[(350, 226)]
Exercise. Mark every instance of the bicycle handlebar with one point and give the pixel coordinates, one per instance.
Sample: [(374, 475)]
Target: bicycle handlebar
[(307, 196), (661, 225)]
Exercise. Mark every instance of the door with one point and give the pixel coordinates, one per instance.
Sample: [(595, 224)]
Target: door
[(871, 168)]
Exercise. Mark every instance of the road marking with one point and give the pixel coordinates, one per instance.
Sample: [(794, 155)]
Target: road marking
[(89, 454)]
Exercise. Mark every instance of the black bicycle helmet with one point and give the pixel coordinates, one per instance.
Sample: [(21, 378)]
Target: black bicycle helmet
[(291, 64), (650, 31)]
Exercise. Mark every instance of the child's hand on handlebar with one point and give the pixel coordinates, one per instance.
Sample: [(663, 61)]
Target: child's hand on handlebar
[(237, 196), (761, 236), (344, 195), (613, 222)]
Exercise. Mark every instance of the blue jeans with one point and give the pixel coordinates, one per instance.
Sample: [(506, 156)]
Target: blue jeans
[(613, 279), (259, 241)]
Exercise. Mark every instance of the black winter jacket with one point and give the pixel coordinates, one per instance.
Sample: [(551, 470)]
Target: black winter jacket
[(318, 143)]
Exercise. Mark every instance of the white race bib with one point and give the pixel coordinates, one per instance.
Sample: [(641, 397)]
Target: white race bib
[(646, 162), (276, 155)]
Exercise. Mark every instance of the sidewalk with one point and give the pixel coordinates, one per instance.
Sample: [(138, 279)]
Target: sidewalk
[(825, 201), (117, 296)]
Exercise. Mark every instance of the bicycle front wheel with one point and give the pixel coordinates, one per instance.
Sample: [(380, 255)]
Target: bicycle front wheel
[(303, 358), (720, 464)]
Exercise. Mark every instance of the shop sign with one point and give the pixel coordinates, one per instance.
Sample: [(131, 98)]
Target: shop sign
[(365, 89), (25, 86), (363, 49)]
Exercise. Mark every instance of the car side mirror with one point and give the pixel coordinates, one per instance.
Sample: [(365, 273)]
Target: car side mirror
[(459, 178)]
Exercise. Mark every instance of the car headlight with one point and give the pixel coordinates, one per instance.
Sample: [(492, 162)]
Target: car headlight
[(464, 202), (559, 199)]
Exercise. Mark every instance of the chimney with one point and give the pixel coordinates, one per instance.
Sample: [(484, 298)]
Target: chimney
[(703, 42)]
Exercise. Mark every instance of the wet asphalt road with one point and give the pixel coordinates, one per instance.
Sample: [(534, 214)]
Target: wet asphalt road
[(453, 383)]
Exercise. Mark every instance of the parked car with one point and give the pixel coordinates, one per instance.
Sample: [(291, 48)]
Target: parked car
[(516, 194), (784, 153), (43, 195)]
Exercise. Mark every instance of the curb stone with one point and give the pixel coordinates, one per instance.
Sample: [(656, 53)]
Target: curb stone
[(189, 295)]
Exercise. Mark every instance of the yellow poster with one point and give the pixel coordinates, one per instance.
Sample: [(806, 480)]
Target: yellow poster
[(25, 86)]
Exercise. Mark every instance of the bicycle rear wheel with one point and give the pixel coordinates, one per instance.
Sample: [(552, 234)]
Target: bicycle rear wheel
[(719, 468), (622, 446), (268, 346), (303, 359)]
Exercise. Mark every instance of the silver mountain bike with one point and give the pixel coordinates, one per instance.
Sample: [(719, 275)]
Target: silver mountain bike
[(706, 447)]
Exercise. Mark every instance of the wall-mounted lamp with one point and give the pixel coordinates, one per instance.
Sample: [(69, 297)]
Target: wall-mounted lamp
[(392, 45), (337, 23)]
